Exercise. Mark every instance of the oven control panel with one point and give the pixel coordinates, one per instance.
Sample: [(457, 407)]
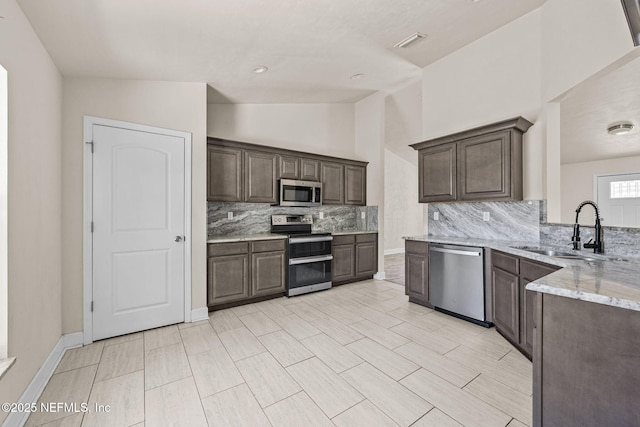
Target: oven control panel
[(291, 219)]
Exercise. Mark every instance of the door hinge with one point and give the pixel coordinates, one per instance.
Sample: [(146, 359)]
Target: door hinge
[(90, 143), (92, 226), (92, 306)]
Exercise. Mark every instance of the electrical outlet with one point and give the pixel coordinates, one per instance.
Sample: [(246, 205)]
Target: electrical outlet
[(229, 215), (486, 216), (363, 215), (321, 215), (436, 216)]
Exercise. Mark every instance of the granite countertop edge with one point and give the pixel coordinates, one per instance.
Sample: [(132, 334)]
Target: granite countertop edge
[(273, 236), (601, 281)]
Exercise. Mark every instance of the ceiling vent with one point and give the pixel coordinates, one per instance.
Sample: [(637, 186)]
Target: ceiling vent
[(620, 128), (413, 38)]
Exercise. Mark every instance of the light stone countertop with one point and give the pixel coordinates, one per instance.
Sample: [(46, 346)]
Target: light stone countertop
[(345, 232), (603, 280), (272, 236), (245, 238)]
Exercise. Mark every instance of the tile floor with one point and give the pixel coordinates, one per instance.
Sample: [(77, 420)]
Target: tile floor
[(355, 355), (394, 268)]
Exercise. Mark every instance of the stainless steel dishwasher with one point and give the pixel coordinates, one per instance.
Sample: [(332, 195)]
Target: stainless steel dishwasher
[(457, 282)]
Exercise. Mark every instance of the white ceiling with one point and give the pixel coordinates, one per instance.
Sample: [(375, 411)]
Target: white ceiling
[(592, 107), (311, 47)]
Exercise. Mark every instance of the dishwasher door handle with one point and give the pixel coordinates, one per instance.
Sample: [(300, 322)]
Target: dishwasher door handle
[(456, 252)]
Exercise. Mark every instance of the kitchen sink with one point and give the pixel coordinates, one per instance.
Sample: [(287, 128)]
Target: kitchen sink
[(554, 253)]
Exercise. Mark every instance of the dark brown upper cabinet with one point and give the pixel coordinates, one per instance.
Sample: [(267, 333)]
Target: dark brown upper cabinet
[(244, 172), (355, 185), (224, 174), (260, 177), (309, 170), (437, 176), (480, 164), (332, 178), (289, 167)]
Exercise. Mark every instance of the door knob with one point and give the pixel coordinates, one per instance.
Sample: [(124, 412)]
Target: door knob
[(178, 238)]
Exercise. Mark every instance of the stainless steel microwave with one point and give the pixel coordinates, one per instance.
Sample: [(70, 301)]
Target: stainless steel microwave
[(299, 193)]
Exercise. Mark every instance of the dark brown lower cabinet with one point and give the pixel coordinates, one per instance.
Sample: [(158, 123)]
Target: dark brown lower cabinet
[(416, 273), (586, 368), (241, 272), (267, 273), (355, 257), (513, 305)]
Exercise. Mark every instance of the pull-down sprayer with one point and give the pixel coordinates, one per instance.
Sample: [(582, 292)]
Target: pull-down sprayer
[(598, 245)]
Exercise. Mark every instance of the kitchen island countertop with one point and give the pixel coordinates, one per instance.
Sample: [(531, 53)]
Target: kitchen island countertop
[(603, 280)]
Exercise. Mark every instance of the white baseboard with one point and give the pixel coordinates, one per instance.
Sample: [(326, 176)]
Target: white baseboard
[(73, 340), (379, 275), (199, 314), (394, 251), (42, 377)]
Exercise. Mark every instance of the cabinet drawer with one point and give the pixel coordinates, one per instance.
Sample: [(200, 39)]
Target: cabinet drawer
[(530, 270), (505, 262), (415, 247), (216, 249), (268, 245), (361, 238), (344, 239)]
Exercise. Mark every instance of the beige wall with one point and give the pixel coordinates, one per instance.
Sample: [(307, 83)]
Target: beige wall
[(34, 200), (577, 42), (577, 182), (520, 69), (495, 78), (316, 128), (403, 120), (403, 126), (369, 146), (579, 38), (178, 106), (403, 213)]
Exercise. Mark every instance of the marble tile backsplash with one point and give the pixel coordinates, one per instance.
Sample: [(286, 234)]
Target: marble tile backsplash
[(255, 218), (525, 222), (519, 221)]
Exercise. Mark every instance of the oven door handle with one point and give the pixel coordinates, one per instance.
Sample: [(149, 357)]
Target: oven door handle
[(296, 240), (310, 259)]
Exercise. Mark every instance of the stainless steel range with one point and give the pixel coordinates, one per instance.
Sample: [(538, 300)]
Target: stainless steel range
[(308, 255)]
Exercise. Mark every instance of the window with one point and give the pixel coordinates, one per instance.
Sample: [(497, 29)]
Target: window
[(625, 189)]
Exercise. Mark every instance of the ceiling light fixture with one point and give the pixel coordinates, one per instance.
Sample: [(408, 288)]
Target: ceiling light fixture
[(260, 69), (620, 128), (357, 76), (410, 40)]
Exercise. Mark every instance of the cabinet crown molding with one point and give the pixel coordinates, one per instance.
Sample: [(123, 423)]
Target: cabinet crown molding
[(517, 123), (281, 151)]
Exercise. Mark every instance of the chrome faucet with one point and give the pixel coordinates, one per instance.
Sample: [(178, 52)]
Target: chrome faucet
[(598, 245)]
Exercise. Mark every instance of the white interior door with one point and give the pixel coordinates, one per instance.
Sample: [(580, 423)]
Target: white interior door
[(138, 230), (618, 197)]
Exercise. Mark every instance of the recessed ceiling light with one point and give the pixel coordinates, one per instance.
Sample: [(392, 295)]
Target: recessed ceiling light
[(410, 40), (620, 128), (260, 69), (357, 76)]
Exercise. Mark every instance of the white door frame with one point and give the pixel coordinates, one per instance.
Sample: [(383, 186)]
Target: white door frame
[(87, 238)]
